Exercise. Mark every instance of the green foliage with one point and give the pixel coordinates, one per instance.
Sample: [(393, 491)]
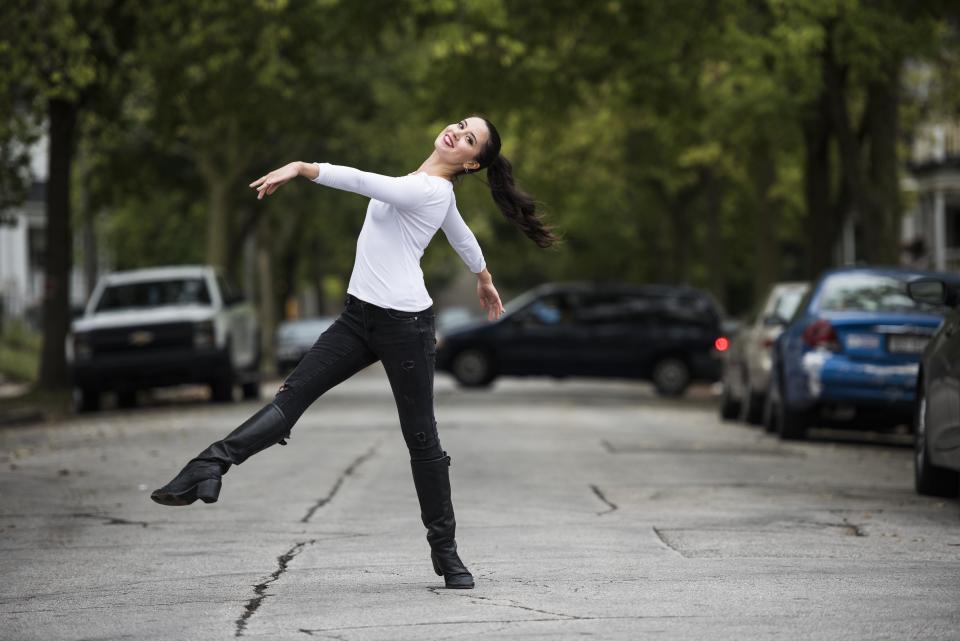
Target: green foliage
[(19, 353)]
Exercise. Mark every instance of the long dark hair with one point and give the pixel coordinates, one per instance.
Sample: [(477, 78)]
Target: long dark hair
[(518, 207)]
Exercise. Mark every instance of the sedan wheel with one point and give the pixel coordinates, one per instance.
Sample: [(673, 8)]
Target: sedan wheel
[(472, 368), (671, 376), (929, 479)]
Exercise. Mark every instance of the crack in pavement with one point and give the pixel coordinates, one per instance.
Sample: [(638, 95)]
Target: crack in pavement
[(850, 529), (260, 589), (513, 604), (313, 631), (109, 520), (350, 469), (603, 497), (667, 543)]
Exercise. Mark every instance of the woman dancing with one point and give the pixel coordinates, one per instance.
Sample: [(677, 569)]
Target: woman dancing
[(388, 317)]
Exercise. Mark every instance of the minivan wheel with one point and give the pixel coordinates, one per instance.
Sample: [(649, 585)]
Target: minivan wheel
[(671, 376), (472, 368), (930, 479)]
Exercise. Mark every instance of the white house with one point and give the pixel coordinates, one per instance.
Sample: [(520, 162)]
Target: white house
[(931, 228), (22, 245)]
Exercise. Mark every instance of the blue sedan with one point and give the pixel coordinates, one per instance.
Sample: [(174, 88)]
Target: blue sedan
[(851, 351)]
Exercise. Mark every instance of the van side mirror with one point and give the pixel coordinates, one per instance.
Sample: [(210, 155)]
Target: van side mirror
[(931, 291)]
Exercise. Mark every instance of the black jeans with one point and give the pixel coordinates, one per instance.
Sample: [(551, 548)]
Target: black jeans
[(363, 334)]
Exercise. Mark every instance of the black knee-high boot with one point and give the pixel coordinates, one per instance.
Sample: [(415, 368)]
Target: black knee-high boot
[(432, 480), (200, 478)]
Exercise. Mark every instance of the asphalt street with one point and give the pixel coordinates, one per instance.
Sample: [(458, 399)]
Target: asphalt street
[(584, 509)]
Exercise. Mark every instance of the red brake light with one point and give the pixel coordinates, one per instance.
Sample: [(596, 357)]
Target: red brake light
[(721, 344), (821, 334)]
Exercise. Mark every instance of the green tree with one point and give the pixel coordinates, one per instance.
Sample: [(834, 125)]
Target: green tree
[(60, 59)]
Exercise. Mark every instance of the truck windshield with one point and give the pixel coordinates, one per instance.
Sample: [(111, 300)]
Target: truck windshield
[(154, 293)]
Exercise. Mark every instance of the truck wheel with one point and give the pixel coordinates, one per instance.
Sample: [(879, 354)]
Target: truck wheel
[(671, 376), (126, 398), (251, 391), (221, 390), (929, 479), (472, 368), (89, 399)]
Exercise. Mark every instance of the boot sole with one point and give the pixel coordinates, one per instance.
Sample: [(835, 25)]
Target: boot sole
[(207, 491)]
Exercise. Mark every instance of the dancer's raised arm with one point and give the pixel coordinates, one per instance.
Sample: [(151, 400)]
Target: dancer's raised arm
[(405, 192)]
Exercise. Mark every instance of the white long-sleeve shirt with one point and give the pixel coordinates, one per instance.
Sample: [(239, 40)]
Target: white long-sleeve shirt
[(402, 217)]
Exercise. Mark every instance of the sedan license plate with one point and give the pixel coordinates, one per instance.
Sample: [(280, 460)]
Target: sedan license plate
[(907, 344)]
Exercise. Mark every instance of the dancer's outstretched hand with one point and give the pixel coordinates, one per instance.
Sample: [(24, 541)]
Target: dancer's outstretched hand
[(268, 184), (489, 298)]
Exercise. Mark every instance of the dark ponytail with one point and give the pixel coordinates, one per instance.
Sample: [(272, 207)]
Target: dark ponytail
[(518, 207)]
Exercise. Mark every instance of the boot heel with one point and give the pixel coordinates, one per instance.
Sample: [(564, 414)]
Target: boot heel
[(436, 565), (208, 491)]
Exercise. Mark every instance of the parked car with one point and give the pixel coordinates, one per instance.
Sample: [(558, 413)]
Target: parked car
[(670, 335), (164, 326), (937, 408), (295, 338), (852, 351), (746, 363)]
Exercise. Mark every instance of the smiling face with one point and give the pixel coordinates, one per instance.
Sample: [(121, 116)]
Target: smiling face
[(460, 142)]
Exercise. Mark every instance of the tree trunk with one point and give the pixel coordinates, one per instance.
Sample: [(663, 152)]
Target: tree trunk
[(268, 315), (59, 249), (821, 226), (217, 220), (714, 241), (882, 198), (89, 230), (767, 265)]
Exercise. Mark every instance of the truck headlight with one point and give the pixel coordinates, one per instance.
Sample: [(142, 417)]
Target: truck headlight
[(203, 334)]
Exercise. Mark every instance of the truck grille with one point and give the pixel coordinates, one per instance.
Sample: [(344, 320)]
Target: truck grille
[(142, 338)]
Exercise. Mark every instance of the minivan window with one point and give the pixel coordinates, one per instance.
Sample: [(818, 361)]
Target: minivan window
[(154, 293)]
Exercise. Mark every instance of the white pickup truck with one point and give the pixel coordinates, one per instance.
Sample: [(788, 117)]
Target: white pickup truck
[(164, 326)]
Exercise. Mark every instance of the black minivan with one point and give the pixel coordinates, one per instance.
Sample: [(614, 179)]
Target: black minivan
[(666, 334)]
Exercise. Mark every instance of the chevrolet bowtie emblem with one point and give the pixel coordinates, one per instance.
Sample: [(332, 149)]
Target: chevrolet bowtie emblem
[(141, 338)]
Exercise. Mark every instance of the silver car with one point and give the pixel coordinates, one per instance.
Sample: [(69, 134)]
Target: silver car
[(746, 364), (296, 337)]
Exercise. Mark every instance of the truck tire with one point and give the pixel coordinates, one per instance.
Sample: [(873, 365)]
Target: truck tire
[(126, 398), (221, 389), (89, 399), (251, 391)]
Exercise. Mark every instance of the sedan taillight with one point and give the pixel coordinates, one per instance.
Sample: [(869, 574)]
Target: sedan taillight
[(821, 333)]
